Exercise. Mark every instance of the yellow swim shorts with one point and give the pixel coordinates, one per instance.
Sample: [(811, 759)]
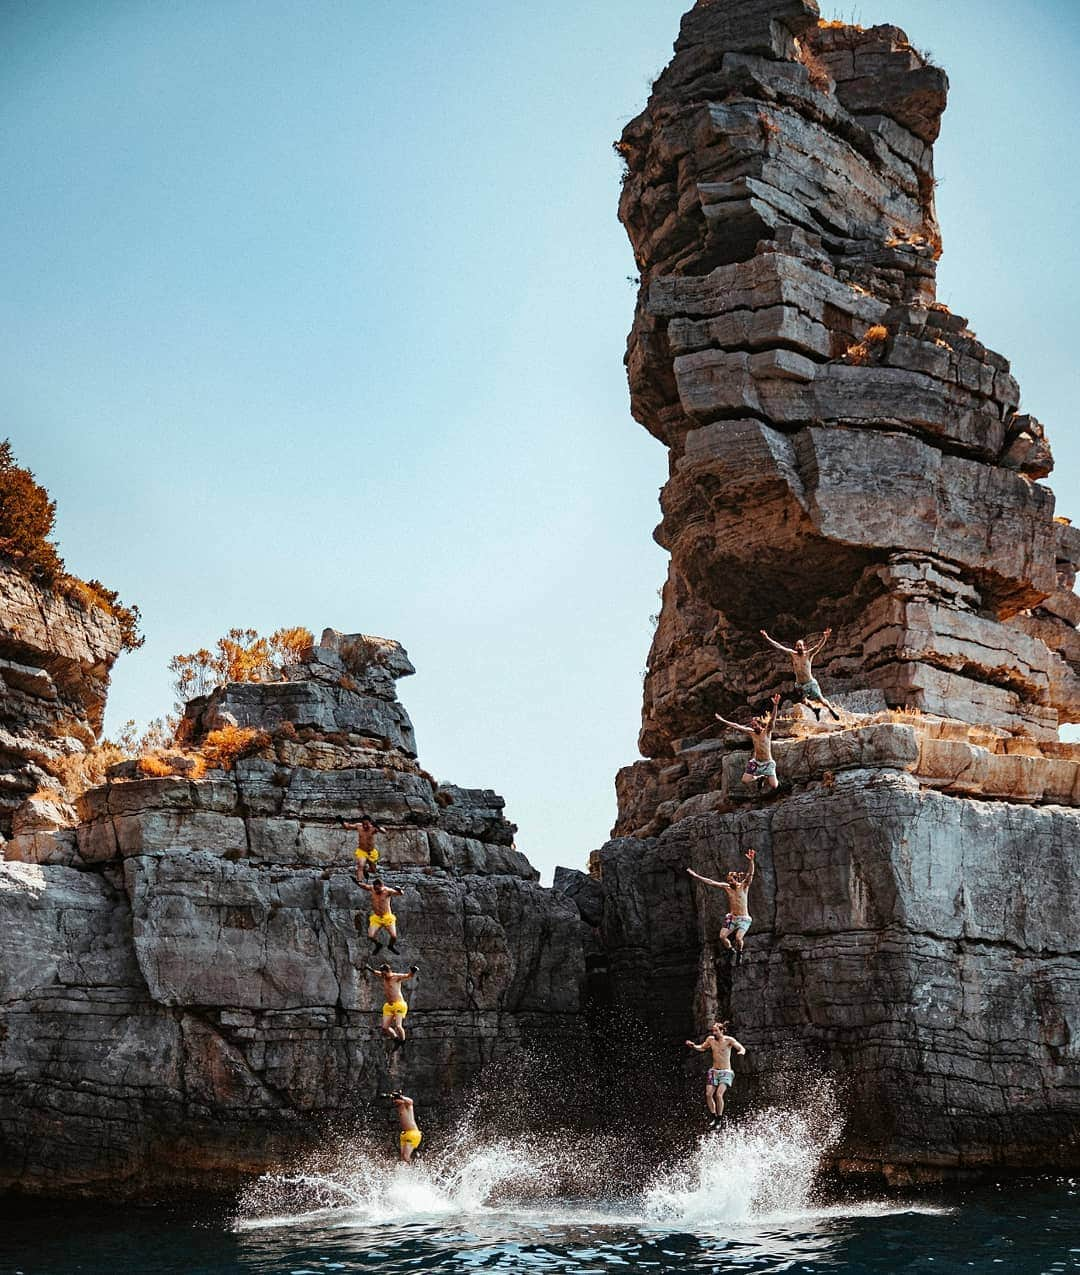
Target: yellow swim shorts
[(385, 921), (390, 1008), (410, 1138), (371, 856)]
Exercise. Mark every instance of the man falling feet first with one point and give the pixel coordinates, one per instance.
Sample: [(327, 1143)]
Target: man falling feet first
[(367, 857), (720, 1076), (394, 1007), (381, 918), (738, 920), (410, 1137)]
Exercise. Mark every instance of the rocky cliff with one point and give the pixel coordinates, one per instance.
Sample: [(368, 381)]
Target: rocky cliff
[(56, 653), (183, 996), (845, 453)]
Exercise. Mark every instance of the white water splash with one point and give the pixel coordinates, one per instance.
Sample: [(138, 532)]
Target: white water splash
[(755, 1170), (468, 1178)]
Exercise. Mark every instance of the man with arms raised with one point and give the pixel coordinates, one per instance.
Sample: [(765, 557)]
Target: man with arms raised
[(738, 919), (410, 1137), (805, 681), (760, 767)]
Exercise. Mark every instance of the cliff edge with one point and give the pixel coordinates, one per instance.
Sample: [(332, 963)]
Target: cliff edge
[(845, 455)]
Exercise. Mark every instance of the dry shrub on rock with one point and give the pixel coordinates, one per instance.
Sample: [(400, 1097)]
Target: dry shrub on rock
[(27, 517), (242, 655), (224, 747)]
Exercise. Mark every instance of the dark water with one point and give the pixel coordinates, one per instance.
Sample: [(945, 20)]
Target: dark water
[(1026, 1229)]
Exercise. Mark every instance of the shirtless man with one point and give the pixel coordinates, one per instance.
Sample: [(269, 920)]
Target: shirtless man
[(367, 857), (394, 1008), (720, 1077), (806, 682), (410, 1137), (381, 918), (760, 768), (738, 919)]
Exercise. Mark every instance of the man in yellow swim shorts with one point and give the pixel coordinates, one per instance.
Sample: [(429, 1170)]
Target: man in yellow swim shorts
[(367, 857), (381, 918), (410, 1136), (394, 1008)]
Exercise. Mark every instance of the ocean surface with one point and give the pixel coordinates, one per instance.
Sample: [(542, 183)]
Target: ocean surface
[(744, 1200)]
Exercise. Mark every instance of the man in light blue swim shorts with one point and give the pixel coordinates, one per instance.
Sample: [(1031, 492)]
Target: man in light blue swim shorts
[(760, 766), (720, 1076), (805, 681), (738, 919)]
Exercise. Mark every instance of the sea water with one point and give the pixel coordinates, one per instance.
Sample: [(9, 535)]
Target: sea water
[(743, 1199)]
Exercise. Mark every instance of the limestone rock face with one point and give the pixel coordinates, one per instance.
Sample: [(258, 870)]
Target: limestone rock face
[(845, 453), (55, 659), (183, 992)]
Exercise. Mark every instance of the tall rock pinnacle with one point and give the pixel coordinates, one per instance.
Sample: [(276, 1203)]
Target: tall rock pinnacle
[(844, 455), (844, 451)]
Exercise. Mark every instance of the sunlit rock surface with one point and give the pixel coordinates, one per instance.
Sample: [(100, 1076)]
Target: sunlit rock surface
[(845, 453), (183, 996), (56, 653)]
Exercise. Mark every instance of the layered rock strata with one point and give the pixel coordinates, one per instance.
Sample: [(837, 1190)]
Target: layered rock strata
[(55, 659), (845, 453), (843, 450), (183, 995)]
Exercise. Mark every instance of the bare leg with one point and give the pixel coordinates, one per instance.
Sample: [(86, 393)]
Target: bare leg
[(772, 782), (723, 936), (832, 710), (392, 930), (749, 779), (373, 937), (710, 1098), (387, 1027), (720, 1091)]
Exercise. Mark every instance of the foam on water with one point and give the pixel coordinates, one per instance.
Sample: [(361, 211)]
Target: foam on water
[(755, 1171)]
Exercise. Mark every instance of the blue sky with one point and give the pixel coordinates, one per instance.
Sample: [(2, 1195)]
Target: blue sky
[(314, 314)]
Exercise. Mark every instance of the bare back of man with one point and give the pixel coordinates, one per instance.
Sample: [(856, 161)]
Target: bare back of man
[(720, 1076), (410, 1136)]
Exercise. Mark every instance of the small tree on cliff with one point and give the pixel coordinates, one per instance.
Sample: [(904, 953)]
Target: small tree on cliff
[(242, 655), (27, 518)]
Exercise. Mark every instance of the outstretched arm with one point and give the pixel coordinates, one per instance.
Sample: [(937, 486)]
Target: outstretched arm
[(720, 885), (750, 875), (364, 886), (779, 645), (699, 1048), (413, 971), (824, 638), (775, 712), (736, 1046), (734, 725), (393, 889)]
